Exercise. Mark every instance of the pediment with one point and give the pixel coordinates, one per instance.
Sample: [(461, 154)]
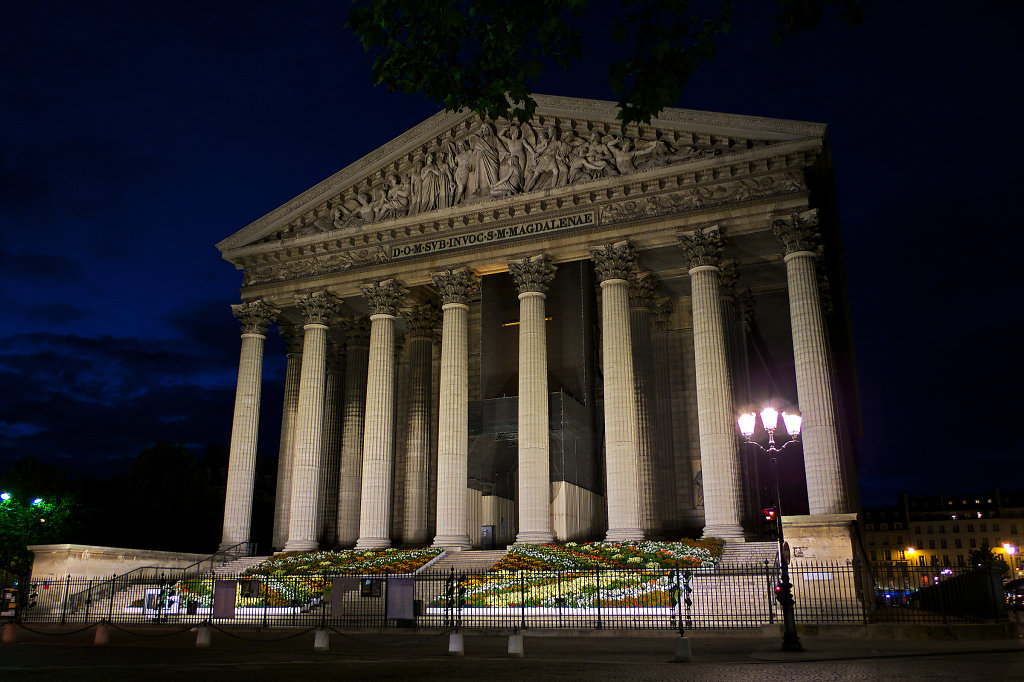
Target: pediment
[(457, 163)]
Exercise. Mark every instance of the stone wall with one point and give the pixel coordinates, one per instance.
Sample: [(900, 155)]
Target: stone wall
[(91, 561)]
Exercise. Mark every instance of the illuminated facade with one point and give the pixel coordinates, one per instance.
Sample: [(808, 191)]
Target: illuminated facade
[(543, 331)]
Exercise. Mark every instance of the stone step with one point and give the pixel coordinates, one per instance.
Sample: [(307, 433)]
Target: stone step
[(238, 566), (468, 561), (749, 553)]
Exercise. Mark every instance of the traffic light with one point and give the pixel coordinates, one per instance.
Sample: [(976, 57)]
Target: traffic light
[(769, 514), (784, 594), (771, 523)]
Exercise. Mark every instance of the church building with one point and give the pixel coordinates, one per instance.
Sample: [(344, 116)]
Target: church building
[(506, 332)]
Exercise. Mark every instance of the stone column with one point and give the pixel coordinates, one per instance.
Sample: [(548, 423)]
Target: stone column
[(421, 320), (533, 276), (719, 451), (614, 264), (350, 486), (316, 308), (383, 300), (641, 298), (456, 288), (254, 316), (661, 416), (292, 334), (330, 457), (823, 463)]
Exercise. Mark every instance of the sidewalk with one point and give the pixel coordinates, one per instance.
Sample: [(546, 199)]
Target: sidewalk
[(820, 643)]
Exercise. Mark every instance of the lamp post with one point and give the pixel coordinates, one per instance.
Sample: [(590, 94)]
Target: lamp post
[(784, 591), (1011, 552)]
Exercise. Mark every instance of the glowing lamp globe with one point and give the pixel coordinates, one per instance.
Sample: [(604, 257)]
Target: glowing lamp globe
[(747, 422), (793, 422), (770, 418)]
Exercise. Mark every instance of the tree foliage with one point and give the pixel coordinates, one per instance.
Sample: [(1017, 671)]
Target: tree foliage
[(28, 521), (486, 55)]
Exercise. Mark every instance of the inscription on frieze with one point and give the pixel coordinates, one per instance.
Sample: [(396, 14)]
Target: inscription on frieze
[(494, 235)]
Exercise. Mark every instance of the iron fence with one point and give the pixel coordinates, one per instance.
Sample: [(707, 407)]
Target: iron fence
[(721, 598)]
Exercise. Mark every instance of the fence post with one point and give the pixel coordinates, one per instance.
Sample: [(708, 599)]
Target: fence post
[(110, 600), (88, 600), (768, 585), (64, 602), (597, 600), (522, 600)]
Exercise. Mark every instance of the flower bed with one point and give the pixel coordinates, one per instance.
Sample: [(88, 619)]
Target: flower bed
[(598, 555), (298, 578), (568, 589), (345, 562)]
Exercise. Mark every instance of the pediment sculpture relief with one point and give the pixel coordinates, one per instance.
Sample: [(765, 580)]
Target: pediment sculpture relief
[(486, 161)]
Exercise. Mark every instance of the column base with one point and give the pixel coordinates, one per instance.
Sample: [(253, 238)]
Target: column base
[(301, 546), (725, 531), (624, 534), (373, 543), (536, 537), (456, 542), (227, 545)]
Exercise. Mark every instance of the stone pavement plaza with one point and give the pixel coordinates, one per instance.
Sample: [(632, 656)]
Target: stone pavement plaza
[(146, 655)]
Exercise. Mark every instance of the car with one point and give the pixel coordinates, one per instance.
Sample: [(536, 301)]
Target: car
[(1014, 591)]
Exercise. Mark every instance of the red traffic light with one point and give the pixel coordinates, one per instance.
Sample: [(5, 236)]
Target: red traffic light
[(769, 514)]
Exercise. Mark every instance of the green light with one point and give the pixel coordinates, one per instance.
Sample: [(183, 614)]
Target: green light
[(5, 496), (38, 501)]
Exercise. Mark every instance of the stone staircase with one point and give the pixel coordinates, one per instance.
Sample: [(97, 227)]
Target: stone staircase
[(238, 566), (467, 561), (747, 554)]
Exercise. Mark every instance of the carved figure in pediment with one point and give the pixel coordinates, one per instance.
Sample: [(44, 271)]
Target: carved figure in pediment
[(485, 158), (510, 183), (394, 199), (460, 164), (625, 154), (364, 212), (435, 185), (550, 156), (516, 146)]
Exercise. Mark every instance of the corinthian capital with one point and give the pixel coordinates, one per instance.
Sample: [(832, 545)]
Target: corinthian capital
[(703, 247), (356, 329), (643, 289), (422, 320), (798, 232), (456, 286), (384, 298), (292, 335), (614, 261), (728, 278), (254, 316), (532, 274), (663, 307), (317, 307)]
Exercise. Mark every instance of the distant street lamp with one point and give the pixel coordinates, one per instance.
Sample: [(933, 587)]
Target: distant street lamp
[(1011, 552), (784, 591)]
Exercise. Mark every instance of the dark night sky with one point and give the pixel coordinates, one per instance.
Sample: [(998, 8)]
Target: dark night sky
[(135, 136)]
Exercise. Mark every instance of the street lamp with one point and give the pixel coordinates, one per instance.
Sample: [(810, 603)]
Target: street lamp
[(1011, 551), (784, 591)]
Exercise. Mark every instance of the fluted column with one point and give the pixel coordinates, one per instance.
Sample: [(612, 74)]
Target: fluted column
[(292, 334), (350, 486), (330, 457), (719, 452), (316, 308), (383, 300), (421, 320), (533, 276), (614, 265), (641, 299), (254, 316), (661, 416), (823, 463), (456, 288)]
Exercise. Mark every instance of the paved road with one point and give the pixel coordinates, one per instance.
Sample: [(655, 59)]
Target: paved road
[(716, 657)]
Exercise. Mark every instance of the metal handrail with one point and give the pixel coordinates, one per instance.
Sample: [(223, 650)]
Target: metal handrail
[(107, 587)]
